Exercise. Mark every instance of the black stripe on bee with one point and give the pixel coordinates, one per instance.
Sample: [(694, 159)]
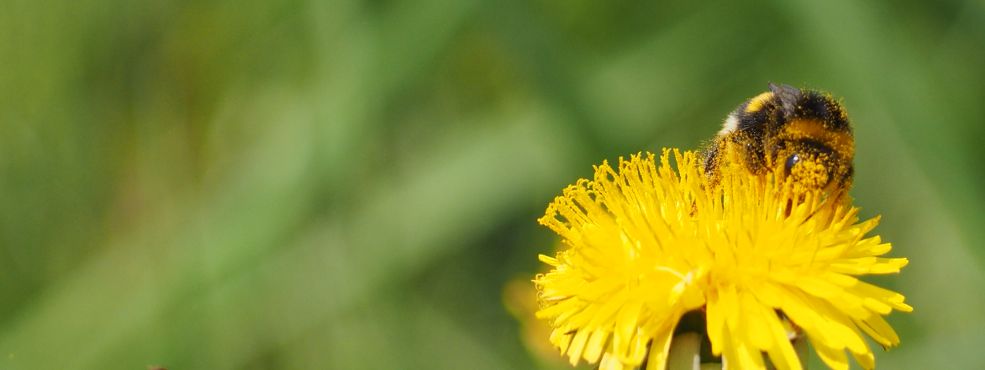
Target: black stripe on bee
[(821, 106), (815, 145)]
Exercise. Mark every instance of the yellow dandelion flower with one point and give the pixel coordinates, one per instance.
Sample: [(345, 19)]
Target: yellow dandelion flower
[(648, 243)]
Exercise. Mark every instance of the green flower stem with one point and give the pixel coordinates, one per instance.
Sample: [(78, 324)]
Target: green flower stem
[(800, 346), (685, 352)]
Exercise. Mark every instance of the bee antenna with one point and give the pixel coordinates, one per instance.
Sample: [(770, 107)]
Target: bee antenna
[(788, 96)]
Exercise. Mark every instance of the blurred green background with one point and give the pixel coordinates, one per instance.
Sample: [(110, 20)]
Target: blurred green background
[(350, 185)]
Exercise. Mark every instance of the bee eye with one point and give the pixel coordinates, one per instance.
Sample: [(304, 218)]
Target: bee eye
[(791, 161)]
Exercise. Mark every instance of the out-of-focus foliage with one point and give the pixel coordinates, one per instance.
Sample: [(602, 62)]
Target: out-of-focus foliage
[(350, 185)]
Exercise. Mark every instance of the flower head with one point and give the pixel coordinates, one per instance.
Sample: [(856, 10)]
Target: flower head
[(648, 243)]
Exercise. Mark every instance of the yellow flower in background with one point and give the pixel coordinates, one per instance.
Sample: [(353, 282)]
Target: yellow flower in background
[(520, 299), (648, 243)]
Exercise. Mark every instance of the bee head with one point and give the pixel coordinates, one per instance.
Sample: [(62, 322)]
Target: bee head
[(811, 164), (812, 142)]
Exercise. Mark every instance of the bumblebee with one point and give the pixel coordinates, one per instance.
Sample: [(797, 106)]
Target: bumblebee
[(800, 134)]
